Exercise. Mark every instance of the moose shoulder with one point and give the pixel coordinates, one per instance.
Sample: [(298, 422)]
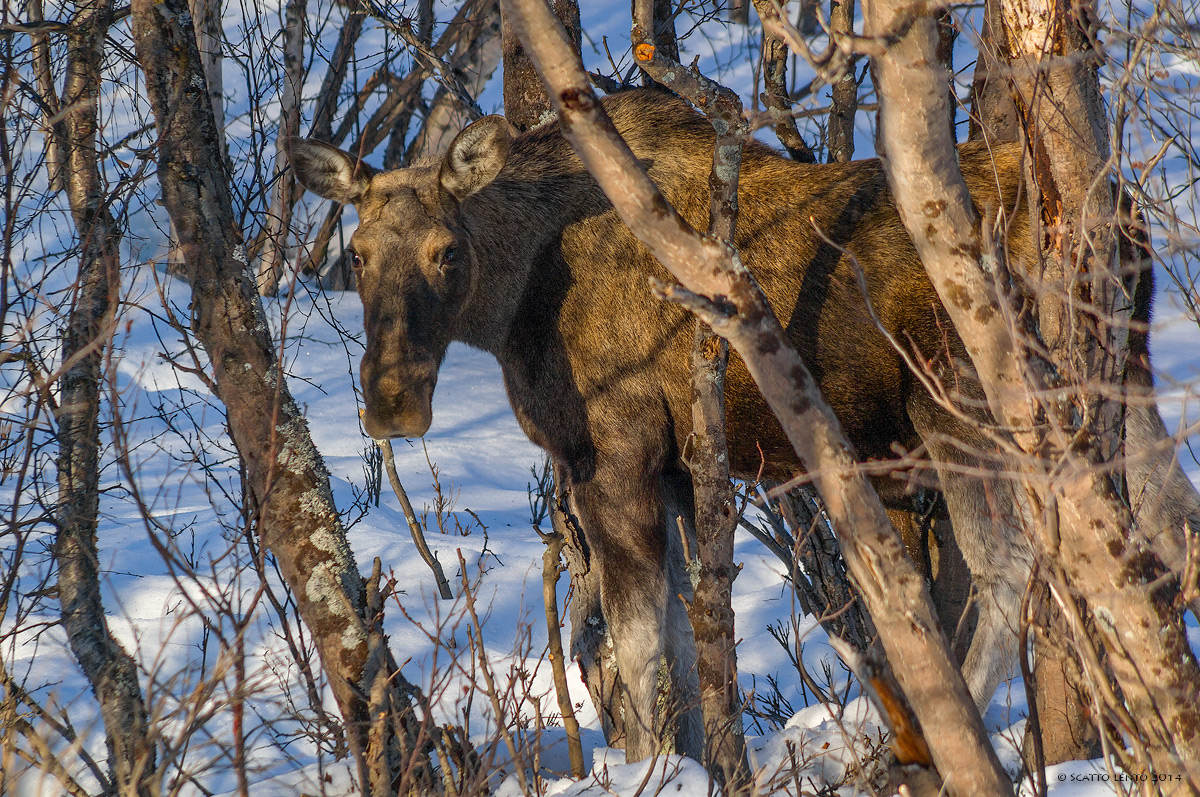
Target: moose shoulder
[(508, 245)]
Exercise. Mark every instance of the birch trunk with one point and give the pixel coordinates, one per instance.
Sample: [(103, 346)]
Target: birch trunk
[(993, 114), (40, 42), (297, 520), (110, 670), (1081, 527)]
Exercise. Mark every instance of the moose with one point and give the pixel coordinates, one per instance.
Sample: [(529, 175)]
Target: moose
[(509, 245)]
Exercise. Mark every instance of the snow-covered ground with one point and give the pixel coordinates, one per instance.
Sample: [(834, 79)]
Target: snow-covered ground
[(484, 467)]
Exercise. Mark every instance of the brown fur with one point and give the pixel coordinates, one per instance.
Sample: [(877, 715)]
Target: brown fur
[(547, 278)]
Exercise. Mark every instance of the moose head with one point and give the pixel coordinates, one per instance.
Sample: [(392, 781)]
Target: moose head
[(413, 260)]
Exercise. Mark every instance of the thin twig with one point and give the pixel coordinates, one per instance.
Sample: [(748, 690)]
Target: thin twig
[(418, 533)]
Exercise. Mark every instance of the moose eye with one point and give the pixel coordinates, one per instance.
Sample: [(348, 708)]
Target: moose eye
[(447, 257), (355, 259)]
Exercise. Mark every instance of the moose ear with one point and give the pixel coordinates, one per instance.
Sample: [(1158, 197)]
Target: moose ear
[(329, 172), (476, 156)]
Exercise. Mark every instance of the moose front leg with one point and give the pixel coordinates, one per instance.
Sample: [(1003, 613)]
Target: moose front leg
[(624, 522)]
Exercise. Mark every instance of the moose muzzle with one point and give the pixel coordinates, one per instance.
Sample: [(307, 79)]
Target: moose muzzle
[(397, 407)]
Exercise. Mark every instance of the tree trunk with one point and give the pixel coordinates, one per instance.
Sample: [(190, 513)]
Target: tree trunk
[(843, 94), (891, 587), (206, 19), (525, 102), (297, 520), (1066, 729), (110, 670), (1060, 114), (711, 611), (1081, 525), (993, 114), (279, 216), (44, 75), (775, 93)]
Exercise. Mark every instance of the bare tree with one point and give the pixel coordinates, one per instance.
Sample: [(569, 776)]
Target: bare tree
[(110, 670), (296, 518), (1080, 522), (775, 92), (279, 215), (844, 93)]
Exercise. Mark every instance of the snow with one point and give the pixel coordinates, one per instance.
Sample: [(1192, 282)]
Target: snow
[(483, 465)]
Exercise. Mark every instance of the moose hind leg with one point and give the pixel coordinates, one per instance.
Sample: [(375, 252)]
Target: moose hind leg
[(680, 641), (986, 515)]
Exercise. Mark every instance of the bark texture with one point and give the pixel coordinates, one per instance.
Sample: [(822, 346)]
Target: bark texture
[(891, 586), (1082, 527), (843, 95), (297, 520), (711, 610), (110, 670), (993, 113), (279, 216), (525, 102)]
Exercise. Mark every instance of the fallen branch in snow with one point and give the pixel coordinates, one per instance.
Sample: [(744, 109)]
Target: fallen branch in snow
[(415, 528)]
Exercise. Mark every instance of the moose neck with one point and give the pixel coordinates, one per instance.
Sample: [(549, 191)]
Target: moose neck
[(511, 224)]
